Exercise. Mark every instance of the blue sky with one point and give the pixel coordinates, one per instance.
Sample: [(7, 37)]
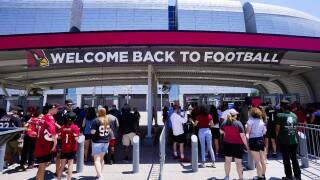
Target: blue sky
[(309, 6)]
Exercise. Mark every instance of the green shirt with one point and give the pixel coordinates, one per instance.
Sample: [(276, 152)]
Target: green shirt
[(288, 128)]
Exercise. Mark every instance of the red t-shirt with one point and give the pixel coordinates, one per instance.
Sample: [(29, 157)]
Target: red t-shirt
[(68, 134), (46, 126), (32, 129), (232, 132), (204, 121)]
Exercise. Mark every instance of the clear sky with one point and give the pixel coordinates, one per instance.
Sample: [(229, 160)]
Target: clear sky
[(309, 6)]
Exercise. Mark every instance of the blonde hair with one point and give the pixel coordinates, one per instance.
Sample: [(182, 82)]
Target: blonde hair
[(103, 118), (256, 113)]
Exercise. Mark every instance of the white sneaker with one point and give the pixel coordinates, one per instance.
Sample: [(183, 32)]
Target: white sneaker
[(202, 165), (213, 165)]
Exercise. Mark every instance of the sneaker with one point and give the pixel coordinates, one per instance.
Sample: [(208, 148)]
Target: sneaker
[(213, 165), (30, 167), (285, 178), (261, 178), (22, 168), (274, 155), (226, 178), (184, 160), (126, 159), (202, 165)]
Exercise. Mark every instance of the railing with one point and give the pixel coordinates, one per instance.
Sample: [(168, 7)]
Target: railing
[(162, 150), (309, 142)]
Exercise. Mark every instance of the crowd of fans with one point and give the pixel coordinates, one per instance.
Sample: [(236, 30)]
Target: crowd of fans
[(258, 128), (53, 135)]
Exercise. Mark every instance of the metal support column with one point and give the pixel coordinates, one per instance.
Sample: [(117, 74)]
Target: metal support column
[(149, 100), (4, 90)]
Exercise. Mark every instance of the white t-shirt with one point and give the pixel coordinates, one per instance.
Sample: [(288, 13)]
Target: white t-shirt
[(177, 122), (257, 126)]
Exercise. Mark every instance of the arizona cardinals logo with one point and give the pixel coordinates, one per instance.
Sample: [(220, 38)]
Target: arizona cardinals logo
[(37, 58)]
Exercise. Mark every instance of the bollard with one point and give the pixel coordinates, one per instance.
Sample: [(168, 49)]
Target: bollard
[(303, 150), (6, 134), (80, 154), (250, 163), (194, 147), (2, 153), (135, 154)]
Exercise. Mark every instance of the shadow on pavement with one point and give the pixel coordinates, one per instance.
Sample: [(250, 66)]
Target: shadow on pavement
[(86, 177), (214, 178), (127, 172), (47, 175), (274, 178)]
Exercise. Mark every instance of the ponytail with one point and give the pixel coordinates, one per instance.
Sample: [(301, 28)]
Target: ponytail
[(103, 117)]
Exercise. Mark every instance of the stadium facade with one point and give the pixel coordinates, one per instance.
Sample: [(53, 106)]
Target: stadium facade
[(56, 16)]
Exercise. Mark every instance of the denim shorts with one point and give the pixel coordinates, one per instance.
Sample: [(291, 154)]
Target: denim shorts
[(98, 148)]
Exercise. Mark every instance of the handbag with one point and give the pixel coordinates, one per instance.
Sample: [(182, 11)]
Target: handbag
[(188, 127)]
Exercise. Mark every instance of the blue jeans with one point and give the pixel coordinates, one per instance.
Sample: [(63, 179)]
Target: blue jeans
[(206, 136)]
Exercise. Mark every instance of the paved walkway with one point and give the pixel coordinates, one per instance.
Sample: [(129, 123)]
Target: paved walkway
[(173, 170), (149, 169)]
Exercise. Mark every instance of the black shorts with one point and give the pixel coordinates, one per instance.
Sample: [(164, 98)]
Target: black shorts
[(256, 144), (59, 146), (233, 150), (271, 133), (215, 133), (88, 136), (180, 138), (68, 156), (45, 159)]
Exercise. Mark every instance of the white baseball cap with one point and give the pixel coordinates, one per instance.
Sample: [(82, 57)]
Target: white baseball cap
[(232, 112)]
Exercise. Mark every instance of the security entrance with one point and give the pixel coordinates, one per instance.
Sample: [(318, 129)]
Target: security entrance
[(150, 58)]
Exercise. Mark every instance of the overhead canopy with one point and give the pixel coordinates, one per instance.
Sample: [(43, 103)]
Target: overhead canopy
[(295, 72)]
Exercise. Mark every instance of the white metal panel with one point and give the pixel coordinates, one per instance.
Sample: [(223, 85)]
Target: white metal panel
[(99, 15), (281, 20), (272, 88), (296, 85), (207, 15), (279, 10), (313, 78)]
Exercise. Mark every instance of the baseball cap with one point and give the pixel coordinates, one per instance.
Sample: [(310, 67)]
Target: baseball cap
[(71, 116), (232, 112), (68, 101), (51, 106)]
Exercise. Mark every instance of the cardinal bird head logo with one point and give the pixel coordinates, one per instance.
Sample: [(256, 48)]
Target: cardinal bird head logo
[(37, 58)]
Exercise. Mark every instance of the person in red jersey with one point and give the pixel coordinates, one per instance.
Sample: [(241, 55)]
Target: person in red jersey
[(30, 138), (69, 134), (46, 140)]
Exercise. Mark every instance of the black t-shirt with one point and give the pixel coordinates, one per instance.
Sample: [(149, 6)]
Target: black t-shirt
[(61, 117), (271, 114), (115, 113), (128, 123), (8, 121), (102, 134)]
